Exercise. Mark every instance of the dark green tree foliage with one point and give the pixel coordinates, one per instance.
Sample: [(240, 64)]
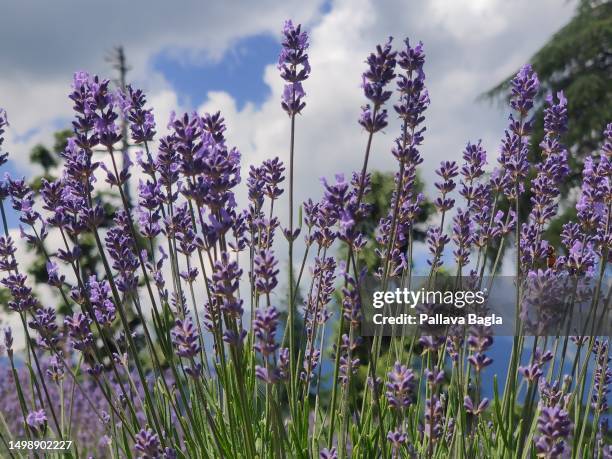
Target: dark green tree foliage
[(577, 60), (41, 155)]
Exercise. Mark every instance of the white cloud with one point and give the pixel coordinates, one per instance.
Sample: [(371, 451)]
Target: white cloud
[(44, 44)]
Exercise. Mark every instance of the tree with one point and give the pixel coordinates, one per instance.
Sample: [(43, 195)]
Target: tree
[(578, 61)]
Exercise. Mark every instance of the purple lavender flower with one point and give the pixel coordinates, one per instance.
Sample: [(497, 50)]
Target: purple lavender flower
[(475, 158), (436, 241), (401, 386), (372, 121), (264, 328), (312, 357), (550, 393), (3, 124), (381, 65), (226, 280), (7, 254), (256, 182), (434, 377), (37, 419), (408, 209), (282, 370), (336, 195), (555, 426), (272, 175), (265, 271), (434, 418), (79, 331), (142, 124), (44, 322), (531, 372), (479, 361), (349, 365), (462, 237), (431, 343), (8, 341), (397, 439), (414, 100), (55, 371), (524, 89), (602, 377), (121, 248), (380, 72), (479, 339), (101, 302), (55, 278), (22, 298), (447, 171), (226, 276), (589, 237), (294, 67), (315, 308), (22, 198), (475, 410), (454, 342), (328, 453), (545, 187), (185, 338), (94, 105), (351, 300), (515, 145), (148, 445)]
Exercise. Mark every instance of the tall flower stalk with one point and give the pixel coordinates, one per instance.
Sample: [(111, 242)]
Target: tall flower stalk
[(380, 73), (295, 68)]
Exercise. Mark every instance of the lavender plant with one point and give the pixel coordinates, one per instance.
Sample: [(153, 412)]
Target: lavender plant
[(209, 370)]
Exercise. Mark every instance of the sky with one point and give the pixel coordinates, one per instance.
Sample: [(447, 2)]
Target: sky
[(209, 56)]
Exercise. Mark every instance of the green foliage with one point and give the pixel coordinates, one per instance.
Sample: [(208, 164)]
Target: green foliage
[(60, 140), (41, 155), (578, 60), (5, 297)]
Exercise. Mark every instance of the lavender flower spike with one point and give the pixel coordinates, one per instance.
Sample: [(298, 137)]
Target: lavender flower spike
[(147, 444), (555, 426), (37, 419), (185, 338), (3, 124), (264, 326), (380, 72), (401, 386), (328, 453), (294, 67)]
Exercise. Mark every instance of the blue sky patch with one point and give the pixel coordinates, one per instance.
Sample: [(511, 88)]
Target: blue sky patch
[(239, 72)]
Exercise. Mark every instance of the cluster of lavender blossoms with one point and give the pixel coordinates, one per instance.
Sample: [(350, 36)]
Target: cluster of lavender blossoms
[(178, 345)]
